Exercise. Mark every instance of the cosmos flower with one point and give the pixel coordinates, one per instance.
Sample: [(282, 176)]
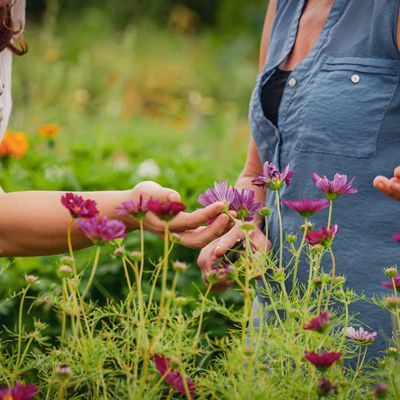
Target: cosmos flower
[(381, 390), (334, 188), (220, 192), (138, 209), (18, 392), (396, 237), (360, 335), (78, 207), (219, 272), (324, 236), (323, 360), (165, 211), (306, 207), (173, 377), (319, 323), (101, 230), (49, 130), (272, 178), (14, 144), (389, 284), (244, 205)]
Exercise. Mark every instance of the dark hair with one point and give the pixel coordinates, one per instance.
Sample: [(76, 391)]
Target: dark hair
[(7, 32)]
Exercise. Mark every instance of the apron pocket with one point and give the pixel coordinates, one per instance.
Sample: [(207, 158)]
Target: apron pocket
[(347, 104)]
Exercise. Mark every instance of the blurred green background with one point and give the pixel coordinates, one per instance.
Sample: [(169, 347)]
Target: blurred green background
[(141, 90)]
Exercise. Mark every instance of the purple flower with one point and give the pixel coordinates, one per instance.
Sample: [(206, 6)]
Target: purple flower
[(173, 377), (323, 360), (306, 207), (165, 211), (325, 386), (219, 273), (18, 392), (221, 192), (389, 284), (138, 209), (244, 205), (396, 237), (324, 236), (319, 323), (360, 335), (271, 178), (78, 207), (101, 230), (332, 189)]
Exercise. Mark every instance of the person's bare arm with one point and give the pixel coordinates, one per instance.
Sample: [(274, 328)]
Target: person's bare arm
[(35, 223), (252, 168)]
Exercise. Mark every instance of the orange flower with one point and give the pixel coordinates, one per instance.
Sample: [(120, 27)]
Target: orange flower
[(14, 144), (49, 130)]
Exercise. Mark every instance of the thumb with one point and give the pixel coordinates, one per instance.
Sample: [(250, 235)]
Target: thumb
[(168, 195)]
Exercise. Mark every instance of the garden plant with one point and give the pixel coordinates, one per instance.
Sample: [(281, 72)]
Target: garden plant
[(301, 342)]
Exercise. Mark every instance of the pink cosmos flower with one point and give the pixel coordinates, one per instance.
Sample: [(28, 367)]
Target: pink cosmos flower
[(18, 392), (324, 236), (137, 209), (360, 335), (306, 207), (271, 178), (389, 284), (78, 207), (221, 192), (381, 390), (332, 189), (319, 323), (244, 205), (173, 377), (165, 211), (323, 360), (101, 230), (396, 237)]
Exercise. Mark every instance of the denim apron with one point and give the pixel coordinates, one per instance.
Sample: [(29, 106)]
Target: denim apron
[(340, 112)]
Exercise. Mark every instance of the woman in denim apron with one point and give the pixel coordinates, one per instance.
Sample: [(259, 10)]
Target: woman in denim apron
[(339, 112)]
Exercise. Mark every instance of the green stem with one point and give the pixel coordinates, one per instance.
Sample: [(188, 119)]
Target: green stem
[(128, 281), (297, 259), (203, 302), (25, 352), (320, 297), (64, 313), (164, 268), (332, 279), (139, 289), (70, 249), (93, 272), (330, 214), (21, 309), (278, 205), (397, 312)]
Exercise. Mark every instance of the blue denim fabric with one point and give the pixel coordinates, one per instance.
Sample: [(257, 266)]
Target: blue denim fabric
[(342, 115)]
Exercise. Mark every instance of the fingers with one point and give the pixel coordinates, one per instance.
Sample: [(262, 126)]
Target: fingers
[(200, 237), (189, 221), (390, 187), (396, 173), (227, 241)]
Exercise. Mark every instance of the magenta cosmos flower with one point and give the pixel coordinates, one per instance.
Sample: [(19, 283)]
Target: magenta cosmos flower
[(18, 392), (396, 237), (220, 192), (306, 207), (165, 211), (323, 360), (332, 189), (272, 178), (101, 230), (244, 205), (138, 209), (389, 284), (172, 376), (360, 335), (324, 236), (319, 323), (78, 207)]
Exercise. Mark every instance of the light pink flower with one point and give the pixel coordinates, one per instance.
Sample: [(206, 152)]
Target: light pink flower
[(332, 189), (360, 335), (272, 178)]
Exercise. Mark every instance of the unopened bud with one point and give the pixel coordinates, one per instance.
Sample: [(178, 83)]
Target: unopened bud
[(65, 270), (291, 238), (63, 371), (392, 301), (175, 238), (119, 251), (67, 260), (180, 300), (390, 272), (381, 390), (265, 211), (316, 248), (309, 225), (39, 325), (392, 350), (280, 275), (135, 255), (32, 279), (180, 266)]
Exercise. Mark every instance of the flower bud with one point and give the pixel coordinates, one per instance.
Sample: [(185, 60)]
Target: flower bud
[(32, 279), (339, 280), (175, 238), (381, 390), (392, 301), (180, 300), (265, 211), (291, 238), (169, 294), (316, 248), (180, 266), (309, 226), (390, 272), (248, 227), (67, 260), (63, 371), (72, 282), (119, 251), (65, 270), (39, 325), (280, 275), (135, 255), (392, 351)]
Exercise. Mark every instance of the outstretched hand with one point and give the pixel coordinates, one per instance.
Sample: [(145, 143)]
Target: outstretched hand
[(389, 186), (188, 226)]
